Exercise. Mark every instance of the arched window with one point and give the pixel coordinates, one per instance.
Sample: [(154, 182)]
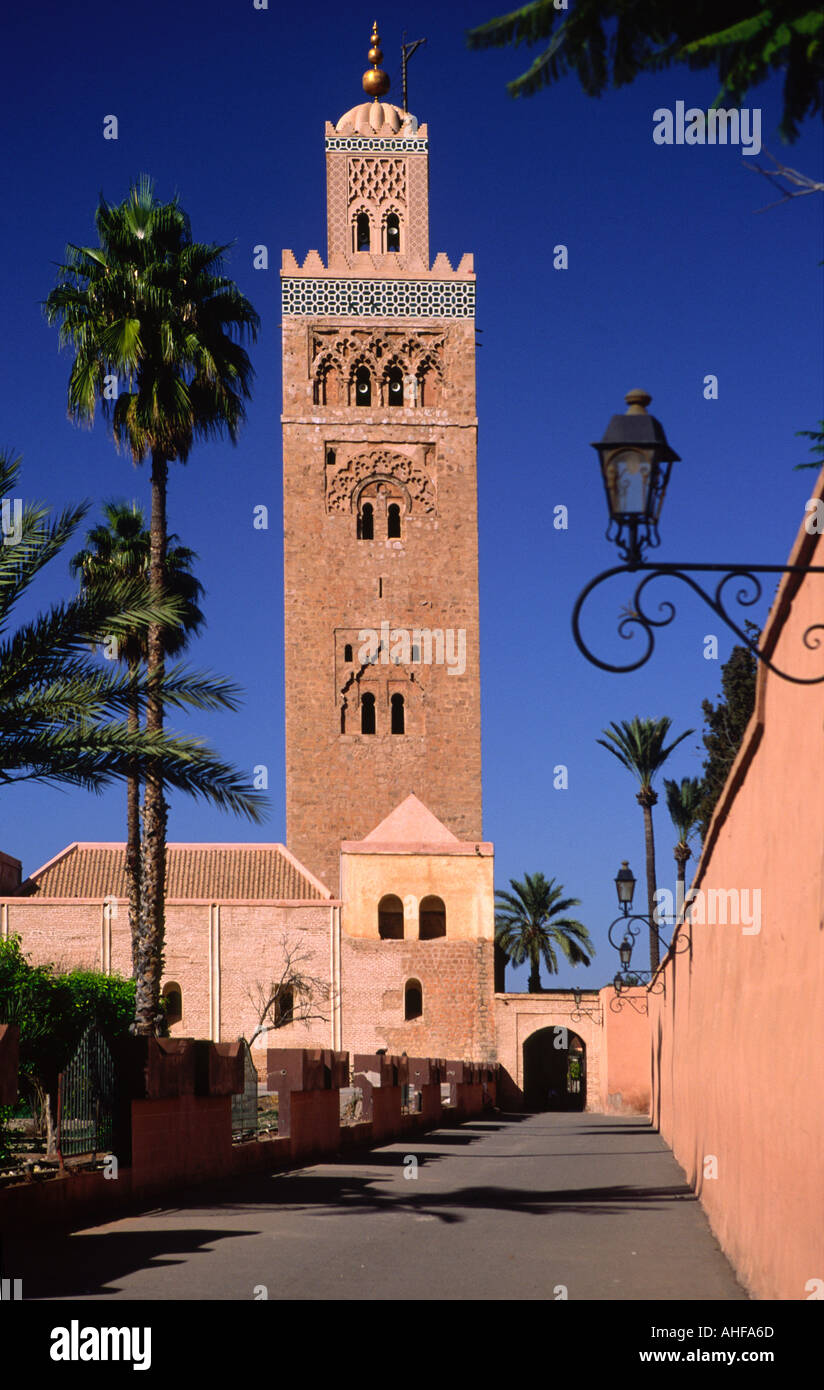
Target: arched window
[(366, 522), (398, 718), (429, 386), (412, 1000), (390, 918), (432, 919), (393, 521), (363, 386), (362, 232), (394, 386), (393, 232), (347, 652), (283, 1005), (367, 713), (174, 1002)]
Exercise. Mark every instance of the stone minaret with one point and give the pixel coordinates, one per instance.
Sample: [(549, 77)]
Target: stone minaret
[(380, 513)]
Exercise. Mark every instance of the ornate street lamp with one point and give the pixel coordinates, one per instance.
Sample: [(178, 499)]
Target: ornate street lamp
[(578, 1013), (636, 461), (625, 884), (629, 974)]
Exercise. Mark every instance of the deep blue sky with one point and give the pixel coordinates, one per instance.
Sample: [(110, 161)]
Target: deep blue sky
[(674, 274)]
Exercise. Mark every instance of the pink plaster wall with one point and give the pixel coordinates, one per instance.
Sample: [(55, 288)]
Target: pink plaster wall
[(625, 1066), (739, 1035)]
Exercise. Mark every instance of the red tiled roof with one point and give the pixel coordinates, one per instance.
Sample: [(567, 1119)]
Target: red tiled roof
[(216, 872)]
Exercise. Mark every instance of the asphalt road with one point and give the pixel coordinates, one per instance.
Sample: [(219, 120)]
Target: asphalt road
[(514, 1207)]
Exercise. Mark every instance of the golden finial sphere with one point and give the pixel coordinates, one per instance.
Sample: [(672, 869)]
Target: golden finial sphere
[(375, 81)]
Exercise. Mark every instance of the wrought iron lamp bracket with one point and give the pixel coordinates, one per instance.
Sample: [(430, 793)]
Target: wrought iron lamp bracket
[(749, 593)]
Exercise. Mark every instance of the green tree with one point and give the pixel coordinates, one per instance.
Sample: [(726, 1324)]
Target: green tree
[(638, 745), (529, 926), (52, 1010), (611, 42), (725, 723), (684, 805), (121, 545), (61, 714), (150, 309)]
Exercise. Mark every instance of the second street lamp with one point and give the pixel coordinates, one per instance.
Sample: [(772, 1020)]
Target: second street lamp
[(630, 975)]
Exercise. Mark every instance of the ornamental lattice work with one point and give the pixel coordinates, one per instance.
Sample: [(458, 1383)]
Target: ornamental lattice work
[(346, 475), (379, 144), (379, 180), (412, 352), (392, 299)]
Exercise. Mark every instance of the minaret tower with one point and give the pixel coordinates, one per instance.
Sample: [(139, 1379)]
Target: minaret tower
[(380, 512)]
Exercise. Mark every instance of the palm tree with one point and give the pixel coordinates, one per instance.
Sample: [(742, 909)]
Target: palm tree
[(152, 307), (684, 805), (528, 927), (122, 545), (61, 714), (638, 745)]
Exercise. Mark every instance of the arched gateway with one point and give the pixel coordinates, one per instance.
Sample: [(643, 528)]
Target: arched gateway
[(554, 1070)]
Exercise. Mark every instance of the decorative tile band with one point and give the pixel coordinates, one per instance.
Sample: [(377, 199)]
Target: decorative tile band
[(374, 142), (436, 299)]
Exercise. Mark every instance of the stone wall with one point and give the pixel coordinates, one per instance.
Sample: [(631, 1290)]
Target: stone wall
[(738, 1035)]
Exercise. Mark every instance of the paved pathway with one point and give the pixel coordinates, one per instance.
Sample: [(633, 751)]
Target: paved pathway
[(510, 1207)]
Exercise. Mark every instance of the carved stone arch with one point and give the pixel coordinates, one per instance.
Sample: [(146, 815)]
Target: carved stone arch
[(397, 487), (362, 359), (356, 212), (397, 214), (430, 377), (346, 475), (327, 379), (395, 368)]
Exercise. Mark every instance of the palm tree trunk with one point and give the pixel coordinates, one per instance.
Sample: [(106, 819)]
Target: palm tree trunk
[(133, 832), (647, 801), (535, 977), (682, 854), (150, 950)]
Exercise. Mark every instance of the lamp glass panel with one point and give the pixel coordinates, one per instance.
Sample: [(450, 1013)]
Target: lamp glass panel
[(628, 475)]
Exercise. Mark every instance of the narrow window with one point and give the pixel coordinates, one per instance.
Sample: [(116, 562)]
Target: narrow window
[(363, 387), (283, 1009), (366, 523), (432, 919), (347, 652), (343, 718), (393, 232), (412, 1000), (390, 918), (393, 521), (367, 717), (174, 1002), (362, 232), (394, 383), (398, 720)]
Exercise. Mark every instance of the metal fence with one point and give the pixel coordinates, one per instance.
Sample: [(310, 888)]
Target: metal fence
[(86, 1099), (245, 1105)]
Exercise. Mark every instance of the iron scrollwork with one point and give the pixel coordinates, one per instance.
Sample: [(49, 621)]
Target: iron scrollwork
[(748, 593)]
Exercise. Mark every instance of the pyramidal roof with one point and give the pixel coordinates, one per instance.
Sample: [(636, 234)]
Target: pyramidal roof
[(411, 823)]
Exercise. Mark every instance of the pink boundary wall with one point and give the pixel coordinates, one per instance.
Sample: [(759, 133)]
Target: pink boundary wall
[(738, 1037)]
